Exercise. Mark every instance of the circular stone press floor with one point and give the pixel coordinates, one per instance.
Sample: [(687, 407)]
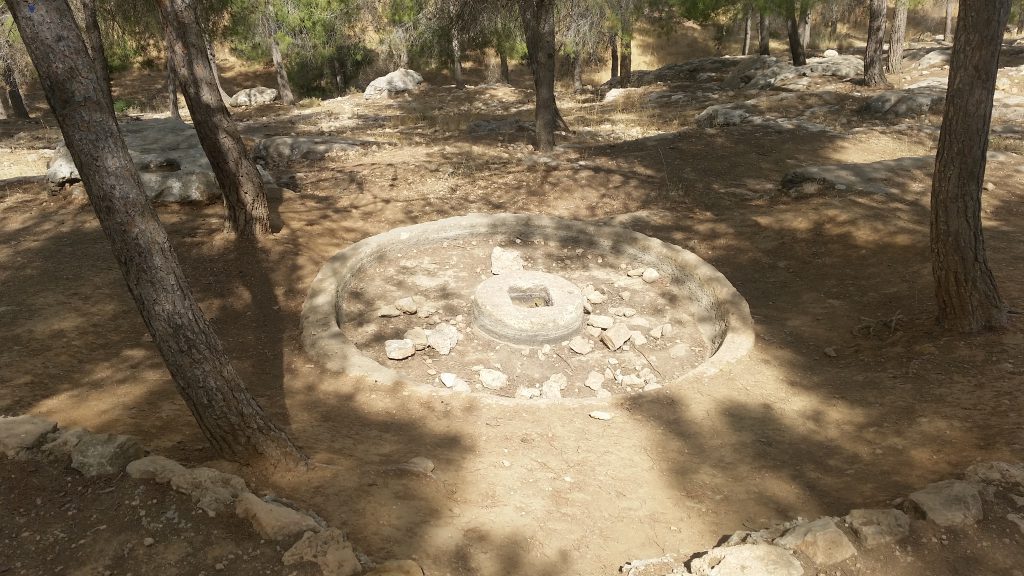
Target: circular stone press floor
[(677, 321)]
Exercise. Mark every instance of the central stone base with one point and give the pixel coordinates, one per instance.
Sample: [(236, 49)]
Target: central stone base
[(528, 308)]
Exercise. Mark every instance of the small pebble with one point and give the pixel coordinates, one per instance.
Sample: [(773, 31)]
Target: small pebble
[(599, 415)]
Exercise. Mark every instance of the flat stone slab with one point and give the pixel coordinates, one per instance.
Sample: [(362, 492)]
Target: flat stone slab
[(821, 541), (877, 527), (950, 502), (747, 560), (97, 454), (273, 521), (284, 149), (997, 473), (19, 433)]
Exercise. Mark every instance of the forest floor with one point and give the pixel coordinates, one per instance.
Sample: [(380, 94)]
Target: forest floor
[(788, 431)]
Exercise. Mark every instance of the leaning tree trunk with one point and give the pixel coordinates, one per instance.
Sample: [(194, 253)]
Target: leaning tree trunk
[(94, 40), (947, 35), (874, 71), (284, 87), (212, 57), (228, 415), (796, 45), (763, 34), (964, 286), (13, 97), (898, 37), (457, 61), (747, 29), (172, 84), (240, 182), (538, 18), (614, 41)]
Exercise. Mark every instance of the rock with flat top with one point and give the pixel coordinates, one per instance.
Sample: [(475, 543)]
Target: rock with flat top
[(443, 338), (155, 468), (950, 502), (392, 84), (581, 345), (821, 541), (493, 379), (877, 527), (254, 96), (552, 388), (19, 433), (616, 336), (418, 337), (97, 454), (399, 349), (996, 473), (212, 491), (273, 521), (747, 560), (602, 322), (328, 549), (504, 261)]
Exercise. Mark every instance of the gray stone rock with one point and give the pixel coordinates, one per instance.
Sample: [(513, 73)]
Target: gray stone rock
[(392, 84), (213, 491), (830, 53), (419, 465), (650, 275), (493, 379), (950, 502), (155, 468), (407, 305), (64, 441), (594, 381), (877, 527), (721, 115), (581, 345), (552, 388), (19, 433), (872, 177), (254, 96), (996, 473), (328, 549), (602, 322), (934, 58), (418, 337), (273, 521), (616, 336), (281, 150), (504, 261), (747, 560), (907, 103), (399, 349), (97, 454), (443, 338), (821, 541)]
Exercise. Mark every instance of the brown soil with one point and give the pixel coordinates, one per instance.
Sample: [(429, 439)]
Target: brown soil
[(788, 431)]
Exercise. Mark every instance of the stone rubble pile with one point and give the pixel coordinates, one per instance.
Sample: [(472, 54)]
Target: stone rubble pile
[(213, 491)]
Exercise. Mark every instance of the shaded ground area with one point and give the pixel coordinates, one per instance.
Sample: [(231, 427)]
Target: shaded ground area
[(851, 398)]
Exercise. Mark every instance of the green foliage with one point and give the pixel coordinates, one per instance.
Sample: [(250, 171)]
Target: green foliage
[(122, 105)]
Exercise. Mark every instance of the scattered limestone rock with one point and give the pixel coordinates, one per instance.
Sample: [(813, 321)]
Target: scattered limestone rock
[(328, 549), (97, 454), (821, 541), (399, 349), (443, 338), (389, 312), (637, 338), (747, 560), (493, 379), (552, 388), (272, 520), (19, 433), (950, 502), (280, 150), (504, 261), (419, 464), (635, 272), (397, 82), (254, 96), (595, 296), (650, 275), (155, 468), (599, 415), (66, 440), (396, 568), (594, 381), (407, 305), (877, 527), (212, 490), (418, 337), (528, 393), (830, 53), (657, 332), (602, 322), (997, 473), (721, 115), (581, 345), (616, 336)]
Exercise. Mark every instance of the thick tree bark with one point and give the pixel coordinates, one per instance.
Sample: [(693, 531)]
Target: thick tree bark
[(240, 182), (805, 25), (13, 100), (898, 37), (964, 286), (227, 414), (94, 40), (764, 34), (796, 46), (748, 24), (947, 35), (212, 57), (506, 75), (577, 73), (874, 71), (614, 41), (457, 61), (284, 87), (172, 84), (538, 18), (626, 51)]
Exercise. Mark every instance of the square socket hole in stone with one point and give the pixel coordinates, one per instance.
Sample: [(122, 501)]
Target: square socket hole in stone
[(530, 296)]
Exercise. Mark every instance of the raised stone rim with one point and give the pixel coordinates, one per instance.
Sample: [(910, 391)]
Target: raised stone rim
[(724, 320), (495, 315)]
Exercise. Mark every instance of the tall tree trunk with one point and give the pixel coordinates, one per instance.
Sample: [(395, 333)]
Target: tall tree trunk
[(626, 51), (94, 40), (796, 45), (964, 286), (12, 91), (506, 75), (805, 26), (614, 41), (538, 18), (457, 61), (748, 25), (874, 71), (240, 182), (172, 84), (284, 87), (211, 56), (833, 32), (1020, 20), (947, 35), (898, 37), (577, 73), (763, 34), (228, 415)]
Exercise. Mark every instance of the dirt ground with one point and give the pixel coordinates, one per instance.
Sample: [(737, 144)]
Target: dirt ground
[(788, 431)]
